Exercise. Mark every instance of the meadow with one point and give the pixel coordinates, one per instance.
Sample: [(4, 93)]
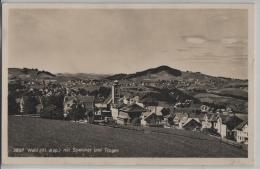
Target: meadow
[(30, 136)]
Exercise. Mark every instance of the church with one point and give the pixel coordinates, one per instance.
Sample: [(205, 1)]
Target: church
[(125, 112)]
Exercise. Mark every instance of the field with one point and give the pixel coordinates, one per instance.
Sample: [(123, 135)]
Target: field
[(238, 105), (233, 92), (41, 137)]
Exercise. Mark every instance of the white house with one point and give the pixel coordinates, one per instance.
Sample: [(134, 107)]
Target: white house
[(226, 124), (220, 126), (206, 123), (114, 112), (241, 132), (180, 119)]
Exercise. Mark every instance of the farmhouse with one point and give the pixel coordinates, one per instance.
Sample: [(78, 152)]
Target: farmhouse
[(225, 124), (102, 112), (125, 109), (206, 123), (153, 117), (192, 124), (194, 121), (130, 114), (241, 132), (67, 104), (180, 119), (70, 103)]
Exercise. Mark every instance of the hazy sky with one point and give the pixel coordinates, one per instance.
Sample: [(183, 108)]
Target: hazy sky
[(128, 40)]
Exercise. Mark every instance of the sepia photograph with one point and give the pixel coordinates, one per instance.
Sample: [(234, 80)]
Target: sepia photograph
[(128, 83)]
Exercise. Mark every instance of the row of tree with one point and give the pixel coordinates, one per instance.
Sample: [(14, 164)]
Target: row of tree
[(48, 107)]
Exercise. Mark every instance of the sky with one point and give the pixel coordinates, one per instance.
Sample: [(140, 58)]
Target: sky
[(109, 41)]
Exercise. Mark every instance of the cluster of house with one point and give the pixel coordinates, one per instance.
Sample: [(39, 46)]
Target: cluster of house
[(226, 126), (129, 110)]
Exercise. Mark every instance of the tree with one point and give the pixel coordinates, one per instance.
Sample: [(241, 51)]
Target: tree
[(83, 92), (52, 107), (90, 116), (30, 103), (13, 107)]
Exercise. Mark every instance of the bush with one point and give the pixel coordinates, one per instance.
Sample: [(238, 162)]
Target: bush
[(51, 112), (77, 112), (52, 107), (30, 103)]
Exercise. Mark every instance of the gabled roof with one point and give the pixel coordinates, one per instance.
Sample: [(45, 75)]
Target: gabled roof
[(120, 105), (132, 108), (244, 117), (215, 117), (108, 99), (232, 121), (192, 122), (196, 119), (241, 125), (156, 109), (159, 111), (149, 115)]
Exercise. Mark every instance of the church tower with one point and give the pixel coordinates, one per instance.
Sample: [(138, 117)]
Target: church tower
[(115, 92)]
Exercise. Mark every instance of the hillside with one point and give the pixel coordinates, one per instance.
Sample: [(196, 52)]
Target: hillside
[(130, 143), (194, 86), (237, 105), (161, 72), (168, 73), (25, 73), (81, 76)]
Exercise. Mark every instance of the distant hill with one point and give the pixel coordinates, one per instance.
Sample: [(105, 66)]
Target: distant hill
[(81, 76), (25, 73), (168, 73), (220, 91), (161, 72)]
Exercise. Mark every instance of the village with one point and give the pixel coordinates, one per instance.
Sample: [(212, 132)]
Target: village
[(111, 105), (130, 82)]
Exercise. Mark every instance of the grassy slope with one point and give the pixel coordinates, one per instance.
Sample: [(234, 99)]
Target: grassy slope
[(232, 92), (237, 105), (42, 133)]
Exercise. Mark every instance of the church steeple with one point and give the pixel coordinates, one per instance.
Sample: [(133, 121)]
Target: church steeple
[(115, 92)]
